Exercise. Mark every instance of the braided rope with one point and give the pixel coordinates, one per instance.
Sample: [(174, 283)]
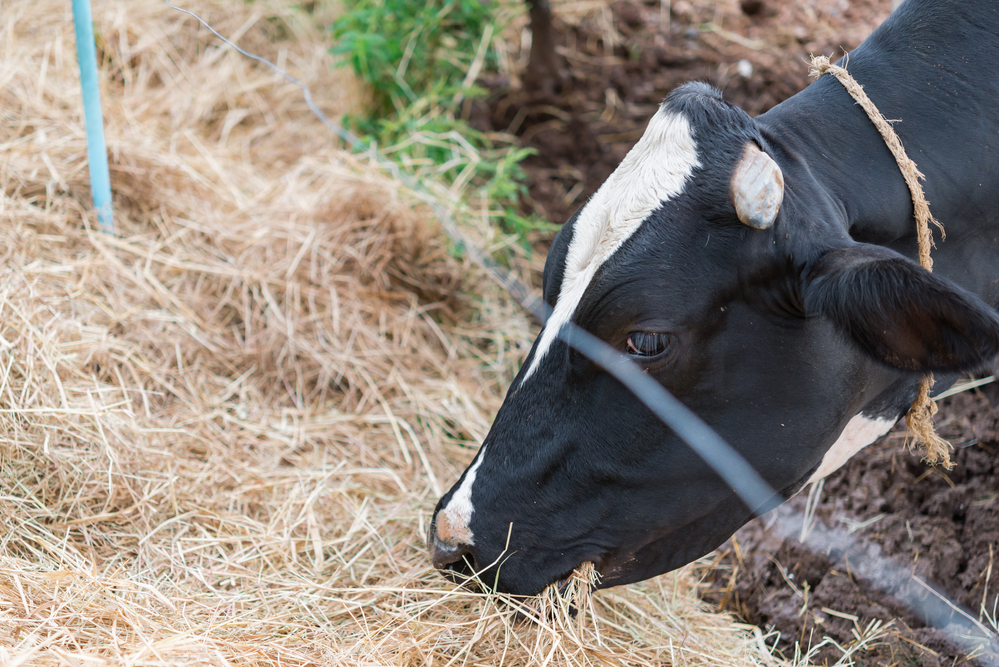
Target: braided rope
[(919, 419)]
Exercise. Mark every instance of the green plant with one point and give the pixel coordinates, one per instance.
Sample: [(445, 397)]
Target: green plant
[(408, 50), (421, 59)]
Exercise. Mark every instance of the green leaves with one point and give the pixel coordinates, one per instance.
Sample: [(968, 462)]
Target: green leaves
[(421, 60), (407, 50)]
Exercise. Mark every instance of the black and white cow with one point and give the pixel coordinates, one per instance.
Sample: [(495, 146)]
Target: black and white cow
[(800, 335)]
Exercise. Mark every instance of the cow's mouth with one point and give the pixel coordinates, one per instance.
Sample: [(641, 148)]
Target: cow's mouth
[(564, 598), (585, 576), (461, 571), (575, 585), (562, 584)]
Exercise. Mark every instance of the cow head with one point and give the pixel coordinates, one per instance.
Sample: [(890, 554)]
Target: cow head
[(734, 283)]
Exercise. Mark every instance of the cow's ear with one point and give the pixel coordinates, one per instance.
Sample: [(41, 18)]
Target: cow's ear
[(899, 313)]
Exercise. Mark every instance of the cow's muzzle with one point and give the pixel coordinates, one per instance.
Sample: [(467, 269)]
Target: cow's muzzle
[(452, 557)]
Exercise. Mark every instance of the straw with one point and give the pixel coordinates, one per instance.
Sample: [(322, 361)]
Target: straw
[(222, 433)]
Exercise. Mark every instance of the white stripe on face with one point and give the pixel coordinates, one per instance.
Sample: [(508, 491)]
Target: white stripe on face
[(459, 509), (859, 432), (655, 170)]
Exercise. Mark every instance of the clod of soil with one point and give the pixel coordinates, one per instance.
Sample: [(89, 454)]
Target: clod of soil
[(751, 7)]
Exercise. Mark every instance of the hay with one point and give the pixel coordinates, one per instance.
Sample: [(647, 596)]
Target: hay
[(222, 433)]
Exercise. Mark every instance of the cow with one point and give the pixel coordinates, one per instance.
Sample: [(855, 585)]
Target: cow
[(760, 269)]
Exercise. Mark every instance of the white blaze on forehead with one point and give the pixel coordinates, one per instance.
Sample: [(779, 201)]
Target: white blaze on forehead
[(654, 170), (859, 432), (458, 513)]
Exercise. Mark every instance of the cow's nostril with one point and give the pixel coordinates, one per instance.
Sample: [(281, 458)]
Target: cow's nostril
[(451, 556), (457, 558)]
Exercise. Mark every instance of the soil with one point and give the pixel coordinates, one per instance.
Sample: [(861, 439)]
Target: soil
[(942, 526), (619, 60)]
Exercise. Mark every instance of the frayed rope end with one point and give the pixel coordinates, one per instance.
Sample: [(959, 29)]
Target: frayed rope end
[(919, 420), (819, 66)]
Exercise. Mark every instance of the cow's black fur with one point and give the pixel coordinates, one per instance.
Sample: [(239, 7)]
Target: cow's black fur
[(778, 337), (900, 314)]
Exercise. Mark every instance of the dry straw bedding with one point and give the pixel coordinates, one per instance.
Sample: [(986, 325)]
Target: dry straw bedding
[(223, 431)]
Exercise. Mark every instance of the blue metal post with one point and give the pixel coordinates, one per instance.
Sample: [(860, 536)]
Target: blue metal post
[(97, 155)]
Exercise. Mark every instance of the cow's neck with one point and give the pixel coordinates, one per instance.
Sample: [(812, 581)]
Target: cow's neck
[(832, 153), (941, 91)]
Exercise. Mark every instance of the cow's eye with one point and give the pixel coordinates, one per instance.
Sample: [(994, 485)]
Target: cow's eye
[(646, 344)]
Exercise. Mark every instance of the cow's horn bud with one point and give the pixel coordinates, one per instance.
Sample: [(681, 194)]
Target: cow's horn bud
[(757, 188)]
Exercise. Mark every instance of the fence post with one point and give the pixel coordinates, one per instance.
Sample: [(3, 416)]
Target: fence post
[(97, 156)]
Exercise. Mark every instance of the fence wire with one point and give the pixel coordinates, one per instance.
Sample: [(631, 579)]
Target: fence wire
[(958, 625)]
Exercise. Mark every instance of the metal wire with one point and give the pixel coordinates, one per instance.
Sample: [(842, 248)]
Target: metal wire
[(959, 626)]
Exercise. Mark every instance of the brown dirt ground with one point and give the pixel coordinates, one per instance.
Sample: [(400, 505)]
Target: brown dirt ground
[(619, 63), (944, 525)]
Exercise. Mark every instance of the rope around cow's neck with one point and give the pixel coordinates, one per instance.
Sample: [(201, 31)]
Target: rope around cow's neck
[(919, 419)]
